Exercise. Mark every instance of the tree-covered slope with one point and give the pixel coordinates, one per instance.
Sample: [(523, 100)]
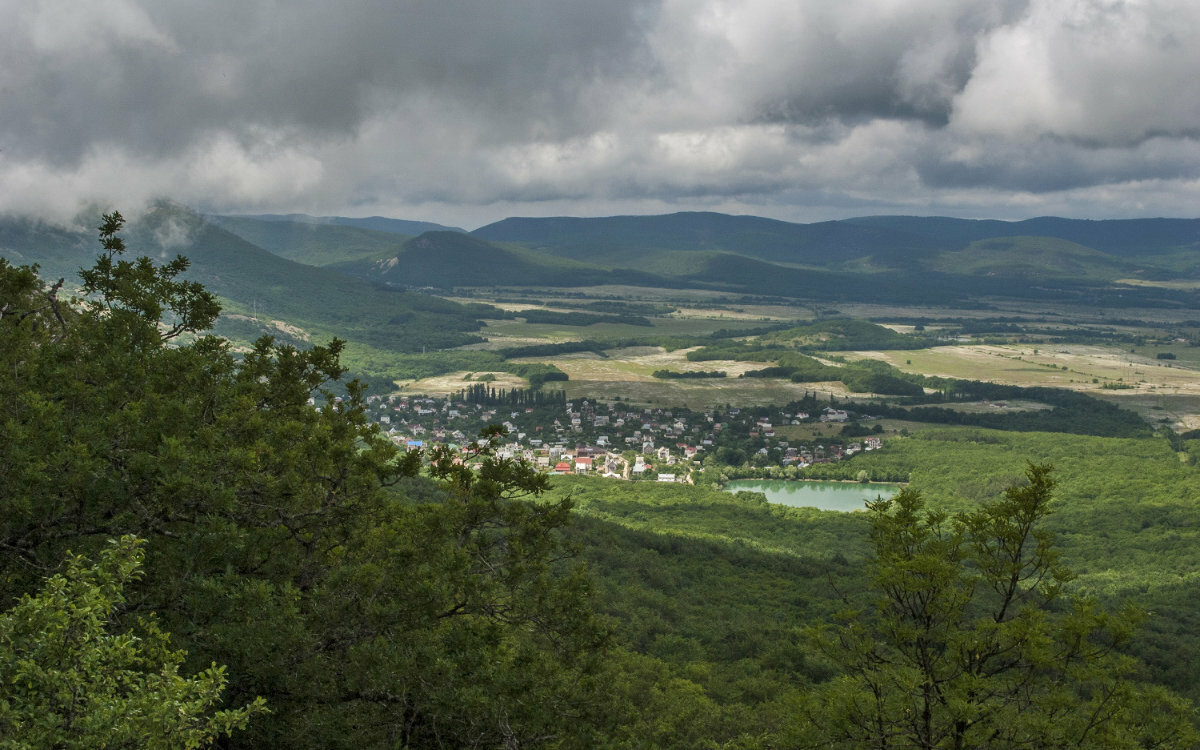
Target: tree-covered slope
[(449, 259), (59, 251), (254, 281), (309, 242), (1119, 237), (826, 243), (1033, 257), (371, 223), (887, 242), (902, 260)]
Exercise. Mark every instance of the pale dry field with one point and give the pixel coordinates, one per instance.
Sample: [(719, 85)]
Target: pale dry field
[(1159, 389), (627, 373), (455, 382), (1166, 392), (1178, 284)]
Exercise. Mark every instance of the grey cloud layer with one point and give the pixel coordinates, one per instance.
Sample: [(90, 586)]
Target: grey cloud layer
[(460, 106)]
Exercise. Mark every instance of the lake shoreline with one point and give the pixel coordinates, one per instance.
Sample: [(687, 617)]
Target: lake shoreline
[(832, 495)]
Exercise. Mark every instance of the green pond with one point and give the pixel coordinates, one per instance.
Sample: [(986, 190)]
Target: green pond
[(824, 495)]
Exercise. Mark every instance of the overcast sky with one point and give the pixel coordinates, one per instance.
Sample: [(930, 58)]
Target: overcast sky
[(465, 112)]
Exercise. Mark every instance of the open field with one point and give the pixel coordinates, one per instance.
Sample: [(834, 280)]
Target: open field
[(995, 407), (1177, 284), (628, 374), (1032, 311), (1164, 391), (456, 381), (1137, 380), (758, 313), (692, 394), (1075, 366), (505, 333)]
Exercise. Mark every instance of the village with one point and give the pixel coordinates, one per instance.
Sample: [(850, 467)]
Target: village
[(621, 441)]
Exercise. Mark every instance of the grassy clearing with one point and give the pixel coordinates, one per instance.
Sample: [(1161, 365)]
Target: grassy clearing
[(994, 407), (1185, 284), (690, 394), (1078, 367), (628, 374), (758, 313), (508, 332), (456, 381), (1177, 411), (1162, 391)]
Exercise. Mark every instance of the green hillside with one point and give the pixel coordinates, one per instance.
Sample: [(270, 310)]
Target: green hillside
[(59, 252), (903, 260), (371, 223), (735, 272), (1117, 237), (1032, 257), (823, 244), (449, 259), (255, 282), (885, 242), (311, 243)]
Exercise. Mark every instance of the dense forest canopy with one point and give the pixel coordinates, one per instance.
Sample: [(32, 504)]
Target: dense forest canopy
[(278, 541), (295, 558)]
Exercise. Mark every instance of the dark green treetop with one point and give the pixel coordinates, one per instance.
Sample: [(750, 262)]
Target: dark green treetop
[(973, 642), (368, 603)]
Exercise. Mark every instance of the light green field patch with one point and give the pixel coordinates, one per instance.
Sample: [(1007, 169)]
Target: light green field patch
[(628, 373), (760, 314), (637, 364), (1062, 366), (1185, 284), (1157, 389), (518, 330), (701, 394), (1175, 410), (453, 382), (995, 407)]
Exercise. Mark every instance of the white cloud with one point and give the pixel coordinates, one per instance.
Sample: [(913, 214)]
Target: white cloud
[(1091, 70), (802, 109)]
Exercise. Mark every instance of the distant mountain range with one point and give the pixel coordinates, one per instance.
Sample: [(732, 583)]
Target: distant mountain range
[(255, 283), (881, 241), (356, 277), (373, 223)]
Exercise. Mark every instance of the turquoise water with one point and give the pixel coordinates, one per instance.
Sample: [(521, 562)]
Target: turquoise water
[(843, 496)]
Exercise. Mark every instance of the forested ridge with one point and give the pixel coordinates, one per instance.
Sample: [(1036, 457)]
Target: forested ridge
[(187, 511)]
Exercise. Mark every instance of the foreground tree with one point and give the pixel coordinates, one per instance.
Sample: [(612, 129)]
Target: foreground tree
[(972, 642), (68, 681), (370, 604)]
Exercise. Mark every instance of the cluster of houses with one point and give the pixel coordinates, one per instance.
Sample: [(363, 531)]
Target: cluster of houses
[(613, 439)]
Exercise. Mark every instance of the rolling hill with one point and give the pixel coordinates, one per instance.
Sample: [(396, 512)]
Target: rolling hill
[(823, 244), (371, 223), (308, 242), (1033, 258), (887, 241), (449, 259), (251, 280), (349, 276)]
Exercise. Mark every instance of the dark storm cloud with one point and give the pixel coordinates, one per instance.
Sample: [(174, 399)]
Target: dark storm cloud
[(465, 109), (885, 60), (156, 76), (1052, 165)]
